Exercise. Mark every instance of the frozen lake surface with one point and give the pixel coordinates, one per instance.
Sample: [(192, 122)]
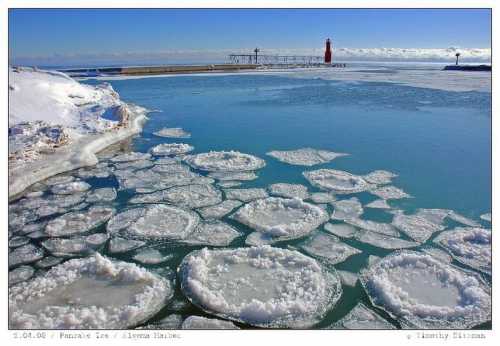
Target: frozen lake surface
[(417, 169)]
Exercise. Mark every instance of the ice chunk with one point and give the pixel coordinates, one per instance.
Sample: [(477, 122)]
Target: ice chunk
[(26, 254), (166, 160), (470, 246), (173, 168), (379, 177), (94, 172), (18, 241), (389, 192), (280, 218), (383, 241), (133, 156), (151, 256), (305, 156), (348, 278), (166, 149), (289, 190), (133, 165), (225, 161), (62, 247), (105, 194), (173, 321), (190, 196), (463, 220), (329, 248), (322, 197), (88, 293), (20, 274), (261, 286), (153, 222), (225, 176), (425, 293), (59, 179), (219, 210), (172, 132), (70, 188), (379, 204), (154, 180), (78, 222), (214, 233), (377, 227), (48, 262), (245, 195), (198, 322), (362, 318), (417, 227), (372, 259), (347, 209), (229, 183), (341, 230), (97, 239), (119, 245), (337, 181), (486, 217), (438, 254)]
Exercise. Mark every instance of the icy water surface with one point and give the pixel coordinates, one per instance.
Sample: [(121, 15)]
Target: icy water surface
[(438, 143)]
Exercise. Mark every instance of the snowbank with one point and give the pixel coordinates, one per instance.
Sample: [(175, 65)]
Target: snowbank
[(57, 124)]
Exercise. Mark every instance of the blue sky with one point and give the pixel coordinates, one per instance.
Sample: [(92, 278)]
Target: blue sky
[(70, 33)]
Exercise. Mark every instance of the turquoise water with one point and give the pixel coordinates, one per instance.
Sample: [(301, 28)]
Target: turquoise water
[(439, 143)]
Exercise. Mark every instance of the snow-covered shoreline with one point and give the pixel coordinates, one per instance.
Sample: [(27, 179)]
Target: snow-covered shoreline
[(86, 126)]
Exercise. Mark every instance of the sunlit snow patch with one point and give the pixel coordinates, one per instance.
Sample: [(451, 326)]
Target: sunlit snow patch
[(171, 149), (288, 190), (305, 156), (427, 293), (78, 222), (470, 246), (280, 218), (329, 248), (214, 233), (153, 222), (261, 286), (225, 161), (89, 293), (198, 322), (245, 195), (360, 317), (172, 132), (337, 181)]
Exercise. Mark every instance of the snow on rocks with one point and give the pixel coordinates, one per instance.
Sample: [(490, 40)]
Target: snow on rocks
[(384, 241), (328, 247), (360, 317), (20, 274), (229, 176), (120, 245), (166, 149), (225, 161), (105, 194), (245, 195), (172, 132), (153, 222), (132, 156), (486, 217), (78, 222), (198, 322), (305, 156), (215, 233), (70, 188), (347, 209), (219, 210), (389, 192), (380, 177), (261, 286), (341, 230), (288, 190), (379, 204), (26, 254), (470, 246), (426, 293), (336, 181), (89, 293), (280, 218)]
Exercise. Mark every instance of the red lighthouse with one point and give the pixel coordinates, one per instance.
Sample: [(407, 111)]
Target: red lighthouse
[(328, 52)]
